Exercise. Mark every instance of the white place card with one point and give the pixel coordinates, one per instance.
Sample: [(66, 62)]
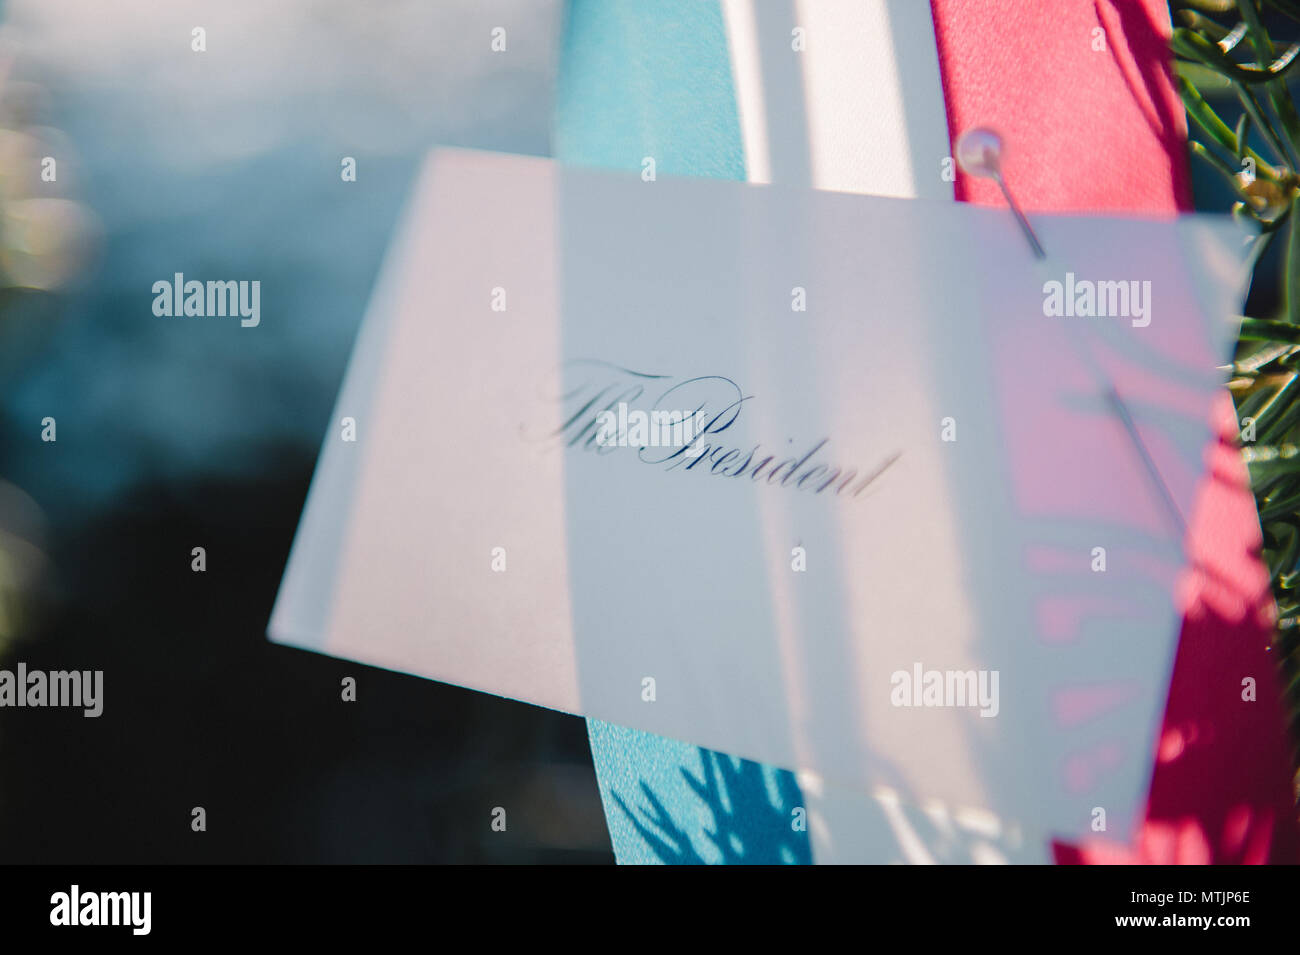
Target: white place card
[(925, 535)]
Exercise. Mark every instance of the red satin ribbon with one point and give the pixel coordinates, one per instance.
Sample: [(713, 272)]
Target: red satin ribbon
[(1083, 95)]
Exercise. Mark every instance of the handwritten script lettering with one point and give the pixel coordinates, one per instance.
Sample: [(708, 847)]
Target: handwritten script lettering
[(717, 447)]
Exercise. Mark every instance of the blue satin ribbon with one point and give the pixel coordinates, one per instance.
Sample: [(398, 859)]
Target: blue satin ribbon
[(654, 79)]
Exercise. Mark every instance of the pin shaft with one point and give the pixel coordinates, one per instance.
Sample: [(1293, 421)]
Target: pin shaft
[(1020, 217)]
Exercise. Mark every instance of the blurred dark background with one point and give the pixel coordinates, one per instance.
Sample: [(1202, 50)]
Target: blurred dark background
[(225, 164)]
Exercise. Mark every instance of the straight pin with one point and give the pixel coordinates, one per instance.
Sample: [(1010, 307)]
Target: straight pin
[(979, 153)]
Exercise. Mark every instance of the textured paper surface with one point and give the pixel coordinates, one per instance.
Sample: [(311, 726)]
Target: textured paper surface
[(964, 555)]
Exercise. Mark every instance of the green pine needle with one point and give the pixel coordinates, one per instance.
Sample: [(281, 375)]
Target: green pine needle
[(1224, 46)]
